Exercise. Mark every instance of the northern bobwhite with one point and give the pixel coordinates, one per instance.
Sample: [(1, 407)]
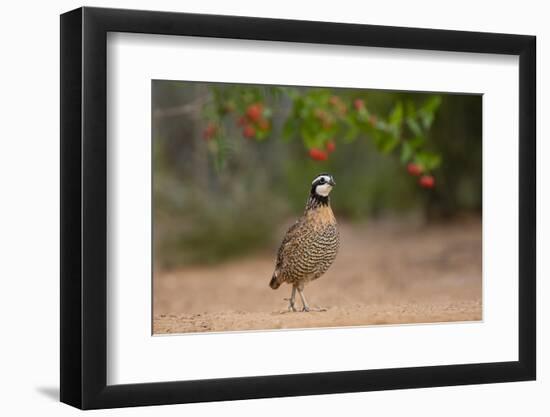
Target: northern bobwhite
[(310, 245)]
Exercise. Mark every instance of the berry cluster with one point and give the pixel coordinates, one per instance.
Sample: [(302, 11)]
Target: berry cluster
[(325, 118), (322, 154), (328, 117), (254, 121), (426, 180), (338, 104)]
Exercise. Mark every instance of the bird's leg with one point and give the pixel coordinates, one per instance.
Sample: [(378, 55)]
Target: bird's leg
[(292, 299), (306, 307), (303, 298)]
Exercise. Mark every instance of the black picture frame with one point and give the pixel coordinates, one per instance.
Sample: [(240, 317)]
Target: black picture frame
[(84, 207)]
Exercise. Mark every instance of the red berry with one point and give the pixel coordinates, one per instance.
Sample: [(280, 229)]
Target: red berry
[(210, 131), (331, 146), (318, 154), (414, 169), (249, 131), (254, 111), (359, 104), (427, 181)]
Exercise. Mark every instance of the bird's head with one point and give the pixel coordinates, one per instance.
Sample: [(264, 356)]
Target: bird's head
[(322, 185)]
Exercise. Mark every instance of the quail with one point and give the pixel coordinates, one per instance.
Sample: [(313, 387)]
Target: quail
[(310, 245)]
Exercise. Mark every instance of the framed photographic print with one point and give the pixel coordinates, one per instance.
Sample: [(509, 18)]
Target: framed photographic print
[(257, 208)]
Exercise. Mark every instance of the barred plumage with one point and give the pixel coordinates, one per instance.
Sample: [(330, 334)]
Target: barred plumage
[(310, 245)]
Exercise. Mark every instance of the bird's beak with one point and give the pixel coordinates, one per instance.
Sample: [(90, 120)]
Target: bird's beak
[(332, 182)]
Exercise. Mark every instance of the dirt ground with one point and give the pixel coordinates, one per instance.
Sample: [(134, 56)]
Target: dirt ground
[(385, 273)]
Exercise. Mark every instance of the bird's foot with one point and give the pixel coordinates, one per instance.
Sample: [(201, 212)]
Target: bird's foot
[(291, 307), (307, 309)]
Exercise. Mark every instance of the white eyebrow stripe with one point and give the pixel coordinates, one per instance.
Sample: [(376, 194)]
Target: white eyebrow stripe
[(326, 177)]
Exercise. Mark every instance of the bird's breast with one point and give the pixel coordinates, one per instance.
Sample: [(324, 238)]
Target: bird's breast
[(322, 216)]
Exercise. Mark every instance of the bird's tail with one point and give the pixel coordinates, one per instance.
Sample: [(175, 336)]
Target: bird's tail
[(275, 283)]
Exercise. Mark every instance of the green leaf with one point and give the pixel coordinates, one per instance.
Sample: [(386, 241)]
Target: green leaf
[(352, 133), (428, 160), (387, 143), (416, 142), (406, 152), (322, 136), (396, 116), (395, 131), (310, 140), (428, 109), (427, 118), (261, 135), (432, 104), (382, 125), (414, 126)]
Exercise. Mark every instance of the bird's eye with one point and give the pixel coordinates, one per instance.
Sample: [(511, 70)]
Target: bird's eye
[(322, 181)]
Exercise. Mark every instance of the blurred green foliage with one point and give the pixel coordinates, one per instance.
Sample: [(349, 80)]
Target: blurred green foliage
[(321, 118), (233, 163), (195, 225)]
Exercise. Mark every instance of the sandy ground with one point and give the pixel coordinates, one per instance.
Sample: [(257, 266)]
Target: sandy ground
[(385, 273)]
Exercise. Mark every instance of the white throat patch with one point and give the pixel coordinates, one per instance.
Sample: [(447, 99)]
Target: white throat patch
[(323, 189)]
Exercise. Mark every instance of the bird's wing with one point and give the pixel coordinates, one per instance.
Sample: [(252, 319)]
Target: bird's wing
[(288, 242)]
